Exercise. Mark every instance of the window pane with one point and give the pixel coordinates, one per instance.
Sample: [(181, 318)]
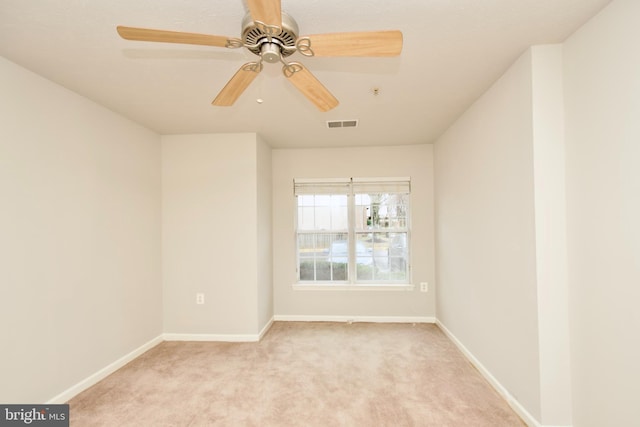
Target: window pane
[(364, 256), (306, 218), (323, 218), (339, 218), (339, 271), (323, 200), (364, 271), (380, 273), (339, 252), (307, 269), (306, 255), (323, 270), (305, 200), (322, 212), (323, 256), (339, 200), (381, 210), (362, 214), (338, 256), (398, 256), (306, 244), (398, 245), (363, 199), (382, 256), (323, 243)]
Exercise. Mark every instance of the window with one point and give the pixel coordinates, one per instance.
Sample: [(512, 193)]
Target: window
[(352, 231)]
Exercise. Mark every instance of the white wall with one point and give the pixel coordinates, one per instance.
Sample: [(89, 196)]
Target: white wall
[(414, 161), (550, 234), (602, 98), (79, 246), (485, 226), (211, 233), (264, 235)]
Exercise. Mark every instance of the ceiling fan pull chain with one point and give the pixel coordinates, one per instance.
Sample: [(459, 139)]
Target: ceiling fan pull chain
[(304, 46)]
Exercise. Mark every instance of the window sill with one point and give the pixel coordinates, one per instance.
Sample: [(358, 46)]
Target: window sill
[(355, 287)]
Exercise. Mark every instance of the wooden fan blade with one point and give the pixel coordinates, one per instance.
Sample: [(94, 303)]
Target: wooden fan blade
[(149, 35), (367, 43), (310, 86), (238, 83), (268, 12)]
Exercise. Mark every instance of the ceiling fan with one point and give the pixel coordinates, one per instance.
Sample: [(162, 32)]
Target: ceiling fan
[(273, 36)]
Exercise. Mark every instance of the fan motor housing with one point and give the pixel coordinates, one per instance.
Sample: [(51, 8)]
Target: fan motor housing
[(258, 43)]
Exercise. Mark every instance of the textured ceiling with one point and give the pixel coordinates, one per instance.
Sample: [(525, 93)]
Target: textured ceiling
[(453, 50)]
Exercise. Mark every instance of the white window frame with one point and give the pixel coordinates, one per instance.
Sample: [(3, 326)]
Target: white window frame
[(388, 183)]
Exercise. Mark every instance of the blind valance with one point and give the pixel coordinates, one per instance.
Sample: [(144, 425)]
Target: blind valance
[(324, 186), (352, 185), (381, 185)]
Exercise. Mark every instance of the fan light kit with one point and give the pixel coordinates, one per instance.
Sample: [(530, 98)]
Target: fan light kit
[(273, 36)]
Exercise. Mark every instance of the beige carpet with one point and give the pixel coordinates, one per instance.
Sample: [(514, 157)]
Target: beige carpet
[(300, 374)]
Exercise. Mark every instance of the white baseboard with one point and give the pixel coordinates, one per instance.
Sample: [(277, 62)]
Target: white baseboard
[(211, 337), (265, 329), (219, 337), (513, 403), (371, 319), (66, 395)]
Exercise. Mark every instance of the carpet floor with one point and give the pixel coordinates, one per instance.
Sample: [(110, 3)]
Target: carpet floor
[(300, 374)]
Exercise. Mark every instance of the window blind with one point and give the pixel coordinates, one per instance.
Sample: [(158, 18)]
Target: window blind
[(349, 185), (381, 185), (325, 186)]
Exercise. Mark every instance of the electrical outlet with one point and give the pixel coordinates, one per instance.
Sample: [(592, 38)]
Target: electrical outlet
[(199, 298), (424, 287)]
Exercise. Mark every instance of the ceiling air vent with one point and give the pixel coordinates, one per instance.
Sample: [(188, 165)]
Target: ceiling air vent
[(342, 124)]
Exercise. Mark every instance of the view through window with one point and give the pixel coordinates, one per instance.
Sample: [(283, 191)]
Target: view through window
[(353, 230)]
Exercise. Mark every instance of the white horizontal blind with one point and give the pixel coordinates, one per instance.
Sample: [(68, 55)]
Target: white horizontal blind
[(325, 186), (381, 185), (352, 185)]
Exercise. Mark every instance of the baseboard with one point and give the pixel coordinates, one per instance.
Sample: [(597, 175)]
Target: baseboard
[(66, 395), (513, 403), (219, 337), (371, 319), (266, 328), (211, 337)]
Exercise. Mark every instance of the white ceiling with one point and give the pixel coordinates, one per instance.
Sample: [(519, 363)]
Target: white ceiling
[(453, 50)]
